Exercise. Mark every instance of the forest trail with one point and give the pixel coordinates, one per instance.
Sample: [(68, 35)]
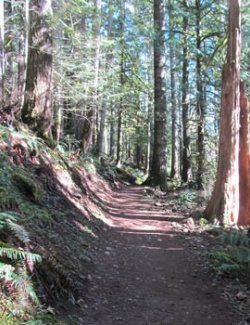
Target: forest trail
[(148, 272)]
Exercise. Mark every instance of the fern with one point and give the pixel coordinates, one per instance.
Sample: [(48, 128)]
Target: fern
[(7, 215), (18, 231), (229, 268), (236, 238), (15, 254), (236, 256)]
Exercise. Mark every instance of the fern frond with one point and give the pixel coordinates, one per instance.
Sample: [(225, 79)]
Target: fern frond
[(18, 231), (17, 254), (7, 215), (229, 268), (236, 238)]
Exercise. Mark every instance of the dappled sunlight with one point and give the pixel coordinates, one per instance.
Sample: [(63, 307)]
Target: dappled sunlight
[(128, 208), (136, 224), (160, 248), (157, 234)]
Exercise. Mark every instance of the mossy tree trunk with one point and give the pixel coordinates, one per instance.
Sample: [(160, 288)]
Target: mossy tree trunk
[(37, 107)]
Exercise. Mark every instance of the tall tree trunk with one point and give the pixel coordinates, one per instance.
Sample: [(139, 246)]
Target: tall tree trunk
[(102, 128), (186, 152), (224, 203), (58, 98), (244, 161), (122, 82), (109, 58), (37, 107), (149, 135), (112, 132), (175, 170), (200, 109), (9, 50), (23, 44), (2, 54), (158, 172), (90, 123)]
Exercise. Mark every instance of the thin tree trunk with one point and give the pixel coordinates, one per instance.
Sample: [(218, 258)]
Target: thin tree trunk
[(112, 132), (9, 50), (90, 123), (122, 82), (58, 102), (102, 128), (2, 54), (200, 101), (186, 152), (149, 136), (104, 105), (175, 170)]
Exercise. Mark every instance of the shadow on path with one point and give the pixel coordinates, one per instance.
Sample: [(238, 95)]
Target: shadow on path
[(146, 272)]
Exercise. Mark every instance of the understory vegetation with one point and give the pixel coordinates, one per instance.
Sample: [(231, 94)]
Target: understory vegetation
[(105, 93)]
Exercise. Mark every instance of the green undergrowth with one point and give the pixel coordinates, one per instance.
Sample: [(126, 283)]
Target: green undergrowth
[(233, 257), (21, 192), (187, 198), (27, 214)]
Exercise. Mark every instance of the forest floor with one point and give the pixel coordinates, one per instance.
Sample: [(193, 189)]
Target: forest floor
[(151, 267), (112, 254)]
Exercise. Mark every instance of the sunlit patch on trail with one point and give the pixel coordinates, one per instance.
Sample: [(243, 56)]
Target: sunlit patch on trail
[(161, 248)]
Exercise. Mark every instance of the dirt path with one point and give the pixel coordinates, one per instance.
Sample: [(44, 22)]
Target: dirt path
[(148, 273)]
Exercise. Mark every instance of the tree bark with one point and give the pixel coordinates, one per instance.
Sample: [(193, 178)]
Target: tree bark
[(175, 168), (103, 113), (2, 54), (186, 151), (112, 132), (158, 171), (37, 107), (23, 44), (224, 203), (122, 82), (244, 162), (90, 123), (200, 109)]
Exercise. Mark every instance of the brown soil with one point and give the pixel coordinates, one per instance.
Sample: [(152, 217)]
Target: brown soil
[(147, 270)]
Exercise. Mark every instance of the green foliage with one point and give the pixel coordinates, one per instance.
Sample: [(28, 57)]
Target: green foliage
[(6, 199), (43, 320), (89, 165), (13, 265), (235, 258), (15, 254), (27, 186), (186, 198), (203, 222), (8, 221)]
